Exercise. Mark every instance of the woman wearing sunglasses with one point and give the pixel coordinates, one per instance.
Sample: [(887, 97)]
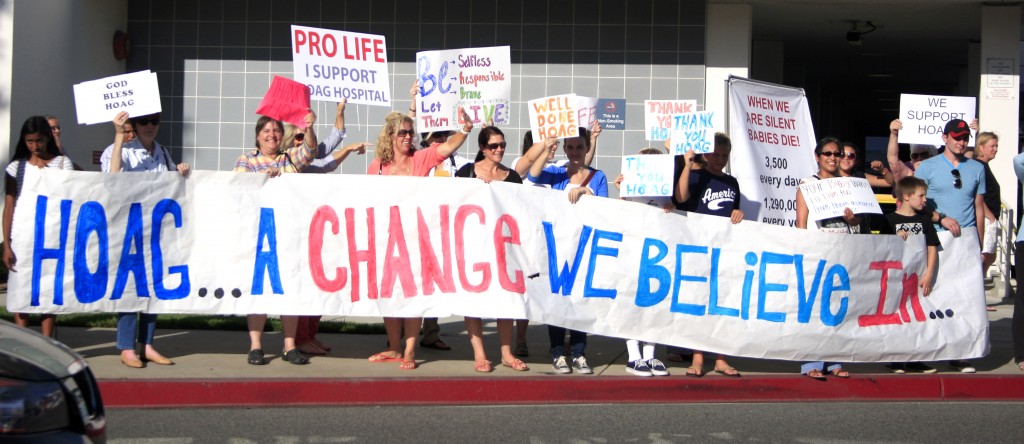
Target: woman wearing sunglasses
[(828, 154), (141, 153), (488, 168), (396, 155)]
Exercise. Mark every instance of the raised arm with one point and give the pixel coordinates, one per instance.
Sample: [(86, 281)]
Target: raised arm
[(538, 163), (893, 151), (456, 140), (414, 92), (115, 155), (683, 184), (310, 139), (595, 132), (885, 180)]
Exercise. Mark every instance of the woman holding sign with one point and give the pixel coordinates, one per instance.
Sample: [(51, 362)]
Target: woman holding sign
[(577, 180), (269, 159), (397, 156), (36, 148), (488, 168), (828, 153)]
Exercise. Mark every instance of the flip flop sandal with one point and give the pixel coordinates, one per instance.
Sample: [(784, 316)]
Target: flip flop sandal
[(483, 367), (694, 372), (256, 357), (728, 371), (840, 373), (816, 374), (516, 364)]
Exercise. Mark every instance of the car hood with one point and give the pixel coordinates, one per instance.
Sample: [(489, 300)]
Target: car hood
[(27, 355)]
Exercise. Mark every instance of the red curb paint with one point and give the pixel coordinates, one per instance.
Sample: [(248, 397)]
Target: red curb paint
[(553, 390)]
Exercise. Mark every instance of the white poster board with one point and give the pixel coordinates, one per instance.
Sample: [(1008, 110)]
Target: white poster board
[(477, 79), (341, 64), (658, 116), (829, 198), (647, 175), (554, 116), (98, 101), (924, 117), (693, 131), (772, 147)]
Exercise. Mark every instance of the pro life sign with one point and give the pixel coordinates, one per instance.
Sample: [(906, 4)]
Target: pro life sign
[(339, 64), (924, 117)]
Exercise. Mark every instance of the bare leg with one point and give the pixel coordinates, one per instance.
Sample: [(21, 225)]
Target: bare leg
[(47, 325), (505, 338), (412, 328), (256, 323), (475, 329), (521, 325), (21, 319), (290, 325)]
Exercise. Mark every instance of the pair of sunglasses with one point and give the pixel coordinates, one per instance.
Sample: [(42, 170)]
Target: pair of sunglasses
[(831, 154), (142, 121), (494, 146), (920, 155), (405, 132), (300, 136), (957, 183)]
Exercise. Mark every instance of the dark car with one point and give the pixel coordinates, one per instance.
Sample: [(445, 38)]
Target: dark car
[(47, 392)]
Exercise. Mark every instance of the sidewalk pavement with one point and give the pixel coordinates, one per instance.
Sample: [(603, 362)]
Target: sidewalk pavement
[(211, 370)]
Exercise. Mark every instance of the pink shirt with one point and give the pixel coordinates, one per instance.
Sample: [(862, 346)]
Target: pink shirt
[(422, 161)]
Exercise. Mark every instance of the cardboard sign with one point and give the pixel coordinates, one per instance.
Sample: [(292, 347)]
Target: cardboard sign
[(586, 110), (98, 101), (477, 79), (924, 117), (692, 131), (647, 175), (828, 198), (658, 116), (554, 116), (341, 64), (611, 113), (286, 100)]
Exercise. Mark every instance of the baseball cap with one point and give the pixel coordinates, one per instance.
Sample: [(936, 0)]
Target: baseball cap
[(956, 128)]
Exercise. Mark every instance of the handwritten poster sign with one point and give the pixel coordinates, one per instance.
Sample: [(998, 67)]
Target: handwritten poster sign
[(693, 131), (658, 116), (586, 110), (924, 117), (477, 79), (238, 243), (554, 116), (772, 147), (340, 64), (611, 113), (647, 175), (829, 197), (98, 101), (286, 100)]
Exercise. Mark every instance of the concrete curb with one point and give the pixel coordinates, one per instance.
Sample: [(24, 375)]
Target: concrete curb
[(552, 390)]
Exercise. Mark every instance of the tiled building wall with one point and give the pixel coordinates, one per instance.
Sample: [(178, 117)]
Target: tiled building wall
[(215, 60)]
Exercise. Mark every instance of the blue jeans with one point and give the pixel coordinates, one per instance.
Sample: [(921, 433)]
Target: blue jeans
[(820, 366), (129, 323), (577, 342)]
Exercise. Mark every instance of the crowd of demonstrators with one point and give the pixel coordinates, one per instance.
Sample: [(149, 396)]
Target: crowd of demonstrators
[(36, 148), (945, 191), (827, 153), (145, 156)]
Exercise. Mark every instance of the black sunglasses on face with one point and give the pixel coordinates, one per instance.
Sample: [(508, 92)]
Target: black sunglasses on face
[(300, 136), (147, 120), (848, 155), (921, 155), (957, 183), (405, 132), (493, 146), (831, 154)]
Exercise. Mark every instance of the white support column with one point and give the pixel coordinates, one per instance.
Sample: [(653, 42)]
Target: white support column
[(727, 52), (999, 89)]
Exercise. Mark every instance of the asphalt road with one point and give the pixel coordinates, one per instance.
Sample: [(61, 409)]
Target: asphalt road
[(657, 423)]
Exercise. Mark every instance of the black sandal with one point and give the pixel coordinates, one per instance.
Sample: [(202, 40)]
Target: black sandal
[(295, 357), (256, 357)]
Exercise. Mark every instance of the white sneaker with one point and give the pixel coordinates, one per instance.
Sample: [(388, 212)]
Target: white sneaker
[(580, 364), (639, 368), (561, 366), (963, 366), (657, 368)]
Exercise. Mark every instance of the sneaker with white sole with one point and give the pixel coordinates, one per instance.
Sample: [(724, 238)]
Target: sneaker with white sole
[(657, 368), (898, 368), (962, 366), (639, 368), (561, 366), (922, 368), (580, 364)]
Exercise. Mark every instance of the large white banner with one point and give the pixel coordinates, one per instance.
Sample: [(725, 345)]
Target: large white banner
[(477, 79), (237, 243), (341, 64), (772, 147)]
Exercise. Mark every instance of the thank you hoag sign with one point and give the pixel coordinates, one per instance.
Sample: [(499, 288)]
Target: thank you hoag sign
[(477, 79), (924, 117), (692, 131), (340, 64), (647, 175), (658, 116), (829, 198), (240, 243), (98, 101)]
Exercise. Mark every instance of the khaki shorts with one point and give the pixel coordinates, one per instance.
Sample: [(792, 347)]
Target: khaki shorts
[(991, 233)]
